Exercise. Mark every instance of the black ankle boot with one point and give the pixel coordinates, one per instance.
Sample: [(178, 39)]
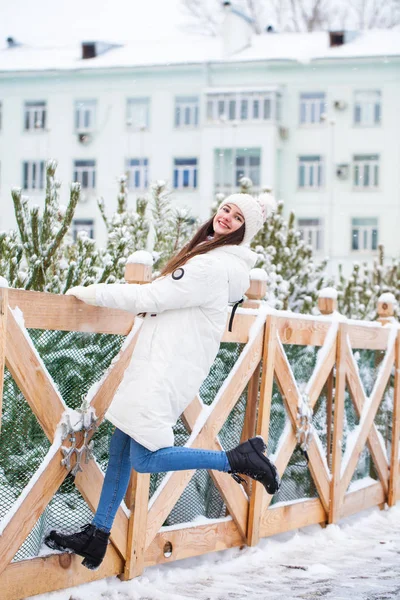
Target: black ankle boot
[(249, 459), (90, 542)]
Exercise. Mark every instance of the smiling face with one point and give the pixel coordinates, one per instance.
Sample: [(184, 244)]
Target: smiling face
[(228, 219)]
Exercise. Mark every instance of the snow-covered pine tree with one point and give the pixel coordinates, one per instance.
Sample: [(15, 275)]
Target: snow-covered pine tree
[(42, 235), (127, 231), (173, 226), (358, 294)]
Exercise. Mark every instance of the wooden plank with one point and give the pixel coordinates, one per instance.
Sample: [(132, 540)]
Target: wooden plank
[(368, 336), (176, 482), (263, 422), (37, 498), (394, 459), (32, 379), (233, 495), (250, 417), (362, 499), (134, 564), (90, 482), (321, 373), (290, 394), (329, 414), (278, 519), (240, 329), (300, 331), (65, 313), (28, 578), (312, 332), (368, 419), (193, 541), (335, 495), (359, 399), (3, 330)]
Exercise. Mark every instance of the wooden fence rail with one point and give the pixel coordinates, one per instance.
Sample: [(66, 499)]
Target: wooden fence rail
[(140, 540)]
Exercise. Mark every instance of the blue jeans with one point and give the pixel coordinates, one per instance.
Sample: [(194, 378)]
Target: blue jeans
[(127, 454)]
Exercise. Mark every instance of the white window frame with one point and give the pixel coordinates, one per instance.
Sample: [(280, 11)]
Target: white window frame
[(85, 174), (85, 116), (311, 230), (79, 225), (367, 108), (312, 106), (35, 113), (186, 112), (138, 171), (241, 106), (366, 172), (180, 171), (33, 175), (365, 234), (313, 172), (138, 114)]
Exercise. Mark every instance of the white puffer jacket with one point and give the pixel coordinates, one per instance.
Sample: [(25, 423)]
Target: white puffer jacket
[(186, 315)]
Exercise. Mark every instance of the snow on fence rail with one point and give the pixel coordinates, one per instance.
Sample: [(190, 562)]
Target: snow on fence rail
[(138, 538)]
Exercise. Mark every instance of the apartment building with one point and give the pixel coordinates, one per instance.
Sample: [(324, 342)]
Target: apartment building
[(314, 116)]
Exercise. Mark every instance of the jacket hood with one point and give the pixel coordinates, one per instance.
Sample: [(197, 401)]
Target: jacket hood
[(239, 260)]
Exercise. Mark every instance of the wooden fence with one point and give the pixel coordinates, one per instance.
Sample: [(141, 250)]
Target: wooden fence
[(139, 540)]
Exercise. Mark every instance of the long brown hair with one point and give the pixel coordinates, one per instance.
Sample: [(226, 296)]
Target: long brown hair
[(199, 244)]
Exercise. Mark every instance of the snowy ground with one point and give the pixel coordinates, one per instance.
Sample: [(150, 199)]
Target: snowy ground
[(358, 559)]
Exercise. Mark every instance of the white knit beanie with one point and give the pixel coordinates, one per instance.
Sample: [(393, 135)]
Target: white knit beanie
[(255, 211)]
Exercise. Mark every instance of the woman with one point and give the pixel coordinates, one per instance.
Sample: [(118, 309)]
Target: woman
[(185, 313)]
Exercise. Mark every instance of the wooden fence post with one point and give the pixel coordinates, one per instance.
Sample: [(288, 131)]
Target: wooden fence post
[(335, 496), (257, 289), (138, 270), (3, 334), (264, 411), (327, 304), (385, 310), (255, 294)]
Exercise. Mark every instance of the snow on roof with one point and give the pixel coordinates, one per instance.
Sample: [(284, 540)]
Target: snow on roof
[(185, 49)]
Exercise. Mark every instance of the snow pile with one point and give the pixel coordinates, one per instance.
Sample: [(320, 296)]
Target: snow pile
[(328, 292), (357, 558), (258, 275), (140, 257)]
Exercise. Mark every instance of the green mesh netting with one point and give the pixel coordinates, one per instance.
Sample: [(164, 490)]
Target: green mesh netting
[(77, 360)]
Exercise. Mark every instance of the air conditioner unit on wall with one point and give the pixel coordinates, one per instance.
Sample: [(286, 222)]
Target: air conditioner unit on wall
[(343, 171), (284, 133), (84, 137), (340, 104)]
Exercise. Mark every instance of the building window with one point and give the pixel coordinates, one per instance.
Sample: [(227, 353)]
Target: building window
[(33, 172), (34, 116), (85, 173), (85, 115), (312, 107), (311, 232), (367, 107), (186, 111), (138, 113), (85, 226), (185, 173), (230, 165), (364, 234), (242, 106), (366, 171), (247, 166), (137, 171), (310, 172)]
